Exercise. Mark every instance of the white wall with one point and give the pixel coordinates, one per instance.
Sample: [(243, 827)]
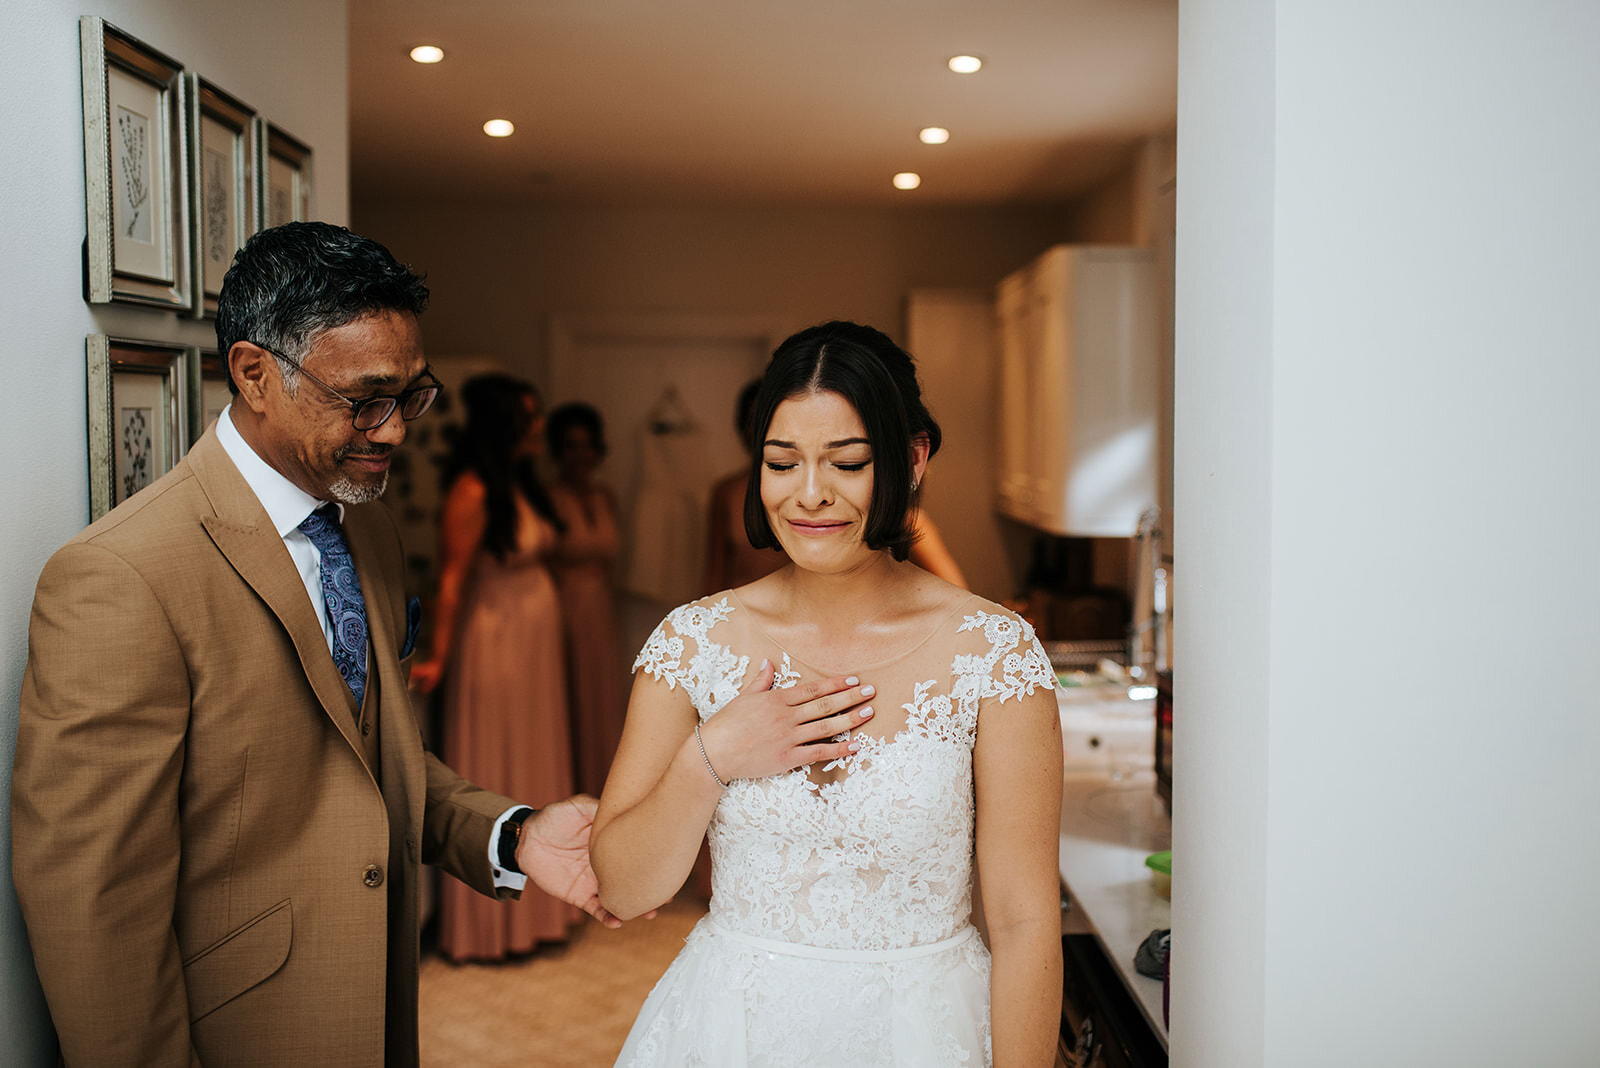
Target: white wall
[(1386, 451), (287, 59)]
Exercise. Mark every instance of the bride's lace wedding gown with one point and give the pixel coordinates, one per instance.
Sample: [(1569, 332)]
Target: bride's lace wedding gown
[(840, 925)]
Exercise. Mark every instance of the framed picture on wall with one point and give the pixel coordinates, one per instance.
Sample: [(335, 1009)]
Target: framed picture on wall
[(138, 416), (133, 144), (285, 176), (208, 391), (222, 186)]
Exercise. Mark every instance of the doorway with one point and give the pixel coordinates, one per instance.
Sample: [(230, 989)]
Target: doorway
[(682, 370)]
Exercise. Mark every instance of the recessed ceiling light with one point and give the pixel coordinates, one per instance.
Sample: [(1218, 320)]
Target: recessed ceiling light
[(934, 135), (907, 180), (427, 53), (966, 64), (499, 128)]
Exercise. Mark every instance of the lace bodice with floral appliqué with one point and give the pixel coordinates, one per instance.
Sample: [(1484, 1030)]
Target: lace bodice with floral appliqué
[(881, 858)]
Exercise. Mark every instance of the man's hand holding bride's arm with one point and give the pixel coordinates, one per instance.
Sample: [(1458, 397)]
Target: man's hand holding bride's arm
[(553, 851), (661, 794)]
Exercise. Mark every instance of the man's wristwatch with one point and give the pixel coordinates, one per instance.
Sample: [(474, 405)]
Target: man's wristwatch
[(510, 835)]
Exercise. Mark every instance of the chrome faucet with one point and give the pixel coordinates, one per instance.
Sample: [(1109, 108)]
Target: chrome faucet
[(1152, 607)]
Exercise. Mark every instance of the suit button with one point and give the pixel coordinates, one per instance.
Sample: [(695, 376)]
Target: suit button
[(366, 726), (373, 876)]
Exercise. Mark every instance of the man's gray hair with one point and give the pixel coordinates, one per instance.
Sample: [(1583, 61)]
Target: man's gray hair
[(292, 282)]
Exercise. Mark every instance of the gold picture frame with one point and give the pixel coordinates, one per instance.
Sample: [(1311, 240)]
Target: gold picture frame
[(136, 247), (138, 415), (285, 177), (223, 184)]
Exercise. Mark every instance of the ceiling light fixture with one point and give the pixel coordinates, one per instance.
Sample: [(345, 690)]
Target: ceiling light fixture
[(965, 64), (907, 180), (427, 54), (933, 135), (499, 128)]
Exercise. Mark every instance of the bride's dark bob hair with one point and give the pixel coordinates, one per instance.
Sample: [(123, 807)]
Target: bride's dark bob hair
[(878, 378)]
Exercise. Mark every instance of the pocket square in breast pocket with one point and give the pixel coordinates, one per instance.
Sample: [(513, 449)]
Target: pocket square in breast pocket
[(413, 624)]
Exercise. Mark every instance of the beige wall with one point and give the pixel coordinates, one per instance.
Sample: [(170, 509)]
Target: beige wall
[(1108, 213), (952, 332), (500, 276), (1124, 209)]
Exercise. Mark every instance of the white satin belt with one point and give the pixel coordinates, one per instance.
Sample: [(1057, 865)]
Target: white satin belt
[(875, 956)]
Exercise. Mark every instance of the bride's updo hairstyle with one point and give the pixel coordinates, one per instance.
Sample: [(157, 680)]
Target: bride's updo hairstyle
[(878, 378)]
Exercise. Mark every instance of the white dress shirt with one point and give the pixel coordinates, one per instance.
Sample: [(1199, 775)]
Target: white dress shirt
[(287, 505)]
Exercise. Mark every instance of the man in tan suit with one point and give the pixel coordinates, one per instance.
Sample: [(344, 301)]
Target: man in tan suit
[(221, 799)]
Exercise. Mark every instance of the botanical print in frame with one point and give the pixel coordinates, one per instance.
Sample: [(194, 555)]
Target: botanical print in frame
[(285, 177), (222, 183), (133, 137), (138, 416)]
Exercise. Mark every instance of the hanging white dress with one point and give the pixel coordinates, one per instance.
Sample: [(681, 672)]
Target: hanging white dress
[(668, 537)]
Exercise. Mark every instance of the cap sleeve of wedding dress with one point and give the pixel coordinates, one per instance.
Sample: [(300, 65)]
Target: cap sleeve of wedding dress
[(840, 931), (679, 653), (1012, 663)]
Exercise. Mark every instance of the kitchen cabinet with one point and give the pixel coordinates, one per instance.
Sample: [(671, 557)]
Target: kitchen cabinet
[(1079, 390)]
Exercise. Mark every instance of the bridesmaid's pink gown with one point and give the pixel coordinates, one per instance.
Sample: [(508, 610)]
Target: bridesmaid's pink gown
[(596, 671), (505, 728)]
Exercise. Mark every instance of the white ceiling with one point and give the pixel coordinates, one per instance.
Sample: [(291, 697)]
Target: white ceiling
[(718, 101)]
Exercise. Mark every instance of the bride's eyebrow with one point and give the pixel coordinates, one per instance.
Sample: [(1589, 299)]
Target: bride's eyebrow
[(841, 443)]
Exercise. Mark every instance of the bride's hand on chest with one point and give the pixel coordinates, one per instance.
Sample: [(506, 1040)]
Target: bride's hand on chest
[(766, 731)]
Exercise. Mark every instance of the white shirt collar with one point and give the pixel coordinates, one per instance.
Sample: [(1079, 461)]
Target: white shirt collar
[(287, 505)]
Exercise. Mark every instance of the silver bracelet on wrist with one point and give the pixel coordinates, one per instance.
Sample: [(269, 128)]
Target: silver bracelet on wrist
[(707, 759)]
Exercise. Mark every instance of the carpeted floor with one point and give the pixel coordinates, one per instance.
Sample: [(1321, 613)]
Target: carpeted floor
[(562, 1007)]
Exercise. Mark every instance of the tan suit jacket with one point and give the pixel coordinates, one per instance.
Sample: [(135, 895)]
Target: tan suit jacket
[(210, 868)]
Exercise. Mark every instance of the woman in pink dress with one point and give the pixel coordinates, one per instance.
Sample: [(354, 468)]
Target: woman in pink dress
[(497, 650), (583, 565)]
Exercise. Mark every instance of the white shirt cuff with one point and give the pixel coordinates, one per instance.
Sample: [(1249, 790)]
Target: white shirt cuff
[(503, 879)]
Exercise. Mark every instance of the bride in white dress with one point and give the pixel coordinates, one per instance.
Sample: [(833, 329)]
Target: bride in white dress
[(851, 733)]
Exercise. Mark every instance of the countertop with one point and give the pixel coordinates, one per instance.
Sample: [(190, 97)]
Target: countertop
[(1108, 827)]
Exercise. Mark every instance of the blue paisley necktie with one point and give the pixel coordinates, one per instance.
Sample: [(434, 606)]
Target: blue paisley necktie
[(341, 593)]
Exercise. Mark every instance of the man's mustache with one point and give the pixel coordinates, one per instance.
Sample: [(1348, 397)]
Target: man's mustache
[(351, 450)]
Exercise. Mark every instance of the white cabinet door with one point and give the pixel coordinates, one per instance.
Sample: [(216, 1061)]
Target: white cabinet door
[(1013, 482), (1080, 391)]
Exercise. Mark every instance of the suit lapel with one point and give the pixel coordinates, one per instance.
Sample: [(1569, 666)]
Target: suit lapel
[(244, 535)]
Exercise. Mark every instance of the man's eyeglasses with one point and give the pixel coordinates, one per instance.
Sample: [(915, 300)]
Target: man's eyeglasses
[(369, 413)]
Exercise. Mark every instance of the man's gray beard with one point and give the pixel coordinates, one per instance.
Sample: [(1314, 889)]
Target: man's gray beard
[(347, 492)]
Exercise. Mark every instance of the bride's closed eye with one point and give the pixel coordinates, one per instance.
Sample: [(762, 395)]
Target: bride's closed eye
[(780, 466)]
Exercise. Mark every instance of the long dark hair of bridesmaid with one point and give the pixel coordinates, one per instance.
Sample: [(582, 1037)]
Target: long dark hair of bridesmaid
[(498, 443)]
